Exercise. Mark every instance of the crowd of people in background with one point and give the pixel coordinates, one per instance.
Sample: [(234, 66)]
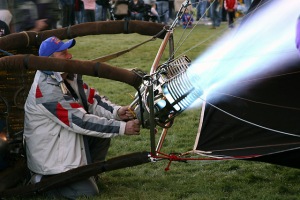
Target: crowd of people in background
[(39, 15)]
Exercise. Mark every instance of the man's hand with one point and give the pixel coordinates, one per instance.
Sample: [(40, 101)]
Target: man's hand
[(40, 25), (125, 113), (132, 127)]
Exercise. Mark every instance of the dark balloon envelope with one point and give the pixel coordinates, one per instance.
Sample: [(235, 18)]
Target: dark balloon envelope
[(264, 124)]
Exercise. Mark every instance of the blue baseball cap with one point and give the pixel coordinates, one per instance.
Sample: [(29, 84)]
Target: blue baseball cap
[(53, 44)]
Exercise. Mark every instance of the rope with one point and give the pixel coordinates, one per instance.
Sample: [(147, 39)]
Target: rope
[(259, 102), (251, 123), (119, 53), (27, 37), (177, 157)]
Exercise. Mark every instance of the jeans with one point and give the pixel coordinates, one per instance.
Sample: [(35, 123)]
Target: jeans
[(163, 10), (216, 14), (68, 16), (97, 151), (89, 15), (247, 3), (101, 12), (87, 187), (79, 16), (136, 16), (201, 9)]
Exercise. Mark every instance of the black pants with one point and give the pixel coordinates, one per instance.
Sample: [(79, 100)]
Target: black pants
[(231, 16), (98, 148), (68, 16), (89, 15)]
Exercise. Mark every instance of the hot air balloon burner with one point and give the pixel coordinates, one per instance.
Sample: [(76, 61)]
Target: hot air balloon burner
[(173, 93)]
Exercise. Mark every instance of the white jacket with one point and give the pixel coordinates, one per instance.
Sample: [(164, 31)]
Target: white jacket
[(55, 123)]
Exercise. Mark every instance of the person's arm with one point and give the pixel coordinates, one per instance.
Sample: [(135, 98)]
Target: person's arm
[(100, 105), (71, 115)]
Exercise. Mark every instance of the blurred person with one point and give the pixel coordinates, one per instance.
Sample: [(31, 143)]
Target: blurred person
[(49, 10), (26, 17), (230, 6), (247, 4), (171, 10), (224, 13), (68, 124), (136, 9), (201, 9), (89, 10), (67, 12), (5, 14), (216, 12), (150, 11), (4, 29), (163, 11), (102, 8), (187, 19), (79, 11), (177, 6)]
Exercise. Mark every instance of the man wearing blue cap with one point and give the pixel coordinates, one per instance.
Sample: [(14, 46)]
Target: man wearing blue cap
[(68, 124)]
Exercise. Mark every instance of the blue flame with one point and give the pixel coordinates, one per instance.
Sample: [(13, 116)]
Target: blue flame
[(267, 38)]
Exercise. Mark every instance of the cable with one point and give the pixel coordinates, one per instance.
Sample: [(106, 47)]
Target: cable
[(251, 123)]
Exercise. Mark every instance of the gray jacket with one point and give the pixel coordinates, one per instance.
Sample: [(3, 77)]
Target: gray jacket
[(55, 124)]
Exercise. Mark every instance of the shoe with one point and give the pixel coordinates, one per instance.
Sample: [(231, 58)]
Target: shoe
[(213, 27), (36, 178)]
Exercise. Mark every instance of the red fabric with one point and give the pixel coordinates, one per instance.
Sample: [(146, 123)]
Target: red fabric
[(62, 114), (75, 105), (230, 4), (91, 96), (38, 93)]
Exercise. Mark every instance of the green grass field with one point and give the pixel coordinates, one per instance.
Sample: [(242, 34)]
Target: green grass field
[(194, 180)]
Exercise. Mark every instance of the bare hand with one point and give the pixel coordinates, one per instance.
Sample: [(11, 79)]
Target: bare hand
[(132, 127), (125, 113), (40, 25)]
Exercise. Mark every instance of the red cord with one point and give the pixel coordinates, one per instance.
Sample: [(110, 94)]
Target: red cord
[(173, 157)]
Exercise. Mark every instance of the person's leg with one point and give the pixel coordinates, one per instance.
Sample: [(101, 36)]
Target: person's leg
[(159, 9), (247, 4), (65, 16), (165, 6), (104, 13), (132, 17), (90, 15), (77, 17), (155, 13), (218, 14), (203, 9), (72, 15), (212, 15), (98, 12), (139, 16), (86, 187), (198, 8), (93, 17), (98, 148)]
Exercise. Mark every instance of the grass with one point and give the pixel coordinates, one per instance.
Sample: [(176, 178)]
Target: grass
[(204, 180)]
